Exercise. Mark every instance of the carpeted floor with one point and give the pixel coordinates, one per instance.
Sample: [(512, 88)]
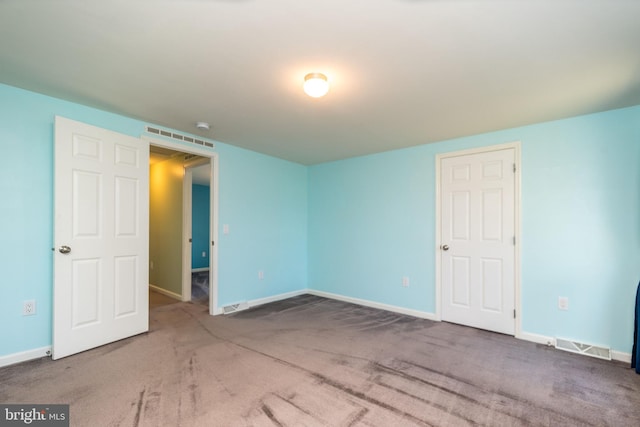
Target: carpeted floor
[(200, 287), (199, 292), (156, 299), (309, 361)]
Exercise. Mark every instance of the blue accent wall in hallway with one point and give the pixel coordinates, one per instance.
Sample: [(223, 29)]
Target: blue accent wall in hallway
[(200, 226)]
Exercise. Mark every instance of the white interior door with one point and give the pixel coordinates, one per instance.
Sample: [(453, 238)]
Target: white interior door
[(101, 198), (478, 240)]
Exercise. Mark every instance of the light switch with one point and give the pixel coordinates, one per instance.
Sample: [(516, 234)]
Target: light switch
[(225, 229)]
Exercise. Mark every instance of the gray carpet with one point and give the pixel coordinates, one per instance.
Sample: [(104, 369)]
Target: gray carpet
[(156, 299), (309, 361), (200, 287)]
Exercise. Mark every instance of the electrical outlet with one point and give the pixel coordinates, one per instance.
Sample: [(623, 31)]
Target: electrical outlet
[(563, 303), (405, 282), (151, 265), (260, 274), (204, 254), (29, 307)]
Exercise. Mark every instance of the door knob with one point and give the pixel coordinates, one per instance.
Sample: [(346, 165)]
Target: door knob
[(445, 247), (64, 249)]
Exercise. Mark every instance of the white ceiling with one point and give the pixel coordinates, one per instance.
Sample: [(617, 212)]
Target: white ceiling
[(402, 72)]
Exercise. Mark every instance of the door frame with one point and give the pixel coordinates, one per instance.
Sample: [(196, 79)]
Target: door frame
[(517, 212), (213, 220), (187, 224)]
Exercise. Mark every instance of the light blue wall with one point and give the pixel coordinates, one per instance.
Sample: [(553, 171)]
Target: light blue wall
[(262, 198), (362, 223), (200, 226), (267, 201), (371, 221)]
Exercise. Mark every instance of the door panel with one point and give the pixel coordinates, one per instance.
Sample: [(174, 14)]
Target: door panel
[(478, 227), (492, 284), (126, 272), (101, 213), (492, 215), (461, 282), (127, 197), (86, 204), (86, 288), (460, 215)]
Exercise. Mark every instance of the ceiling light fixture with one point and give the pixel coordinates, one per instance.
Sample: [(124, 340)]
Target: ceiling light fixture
[(203, 125), (316, 85)]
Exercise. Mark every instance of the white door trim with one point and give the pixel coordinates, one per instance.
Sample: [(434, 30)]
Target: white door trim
[(213, 222), (517, 201), (187, 232), (187, 203)]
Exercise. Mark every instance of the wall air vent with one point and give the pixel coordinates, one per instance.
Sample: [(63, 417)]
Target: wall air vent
[(581, 348), (179, 137), (235, 307)]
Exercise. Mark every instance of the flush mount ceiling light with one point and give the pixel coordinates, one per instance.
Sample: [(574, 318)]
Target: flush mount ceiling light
[(203, 125), (316, 85)]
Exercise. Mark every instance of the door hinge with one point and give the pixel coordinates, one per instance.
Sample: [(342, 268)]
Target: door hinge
[(514, 240), (514, 314), (212, 243), (514, 167)]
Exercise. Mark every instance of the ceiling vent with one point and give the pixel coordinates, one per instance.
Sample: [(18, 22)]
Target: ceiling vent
[(179, 137)]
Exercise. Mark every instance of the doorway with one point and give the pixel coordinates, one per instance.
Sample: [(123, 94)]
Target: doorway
[(101, 231), (477, 234), (171, 240)]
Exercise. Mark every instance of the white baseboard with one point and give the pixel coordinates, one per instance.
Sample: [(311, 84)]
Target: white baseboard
[(538, 339), (373, 304), (23, 356), (37, 353), (165, 292), (199, 270), (261, 301), (542, 339), (621, 356), (274, 298), (358, 301), (526, 336)]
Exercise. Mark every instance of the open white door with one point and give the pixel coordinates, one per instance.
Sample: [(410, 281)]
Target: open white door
[(101, 198)]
